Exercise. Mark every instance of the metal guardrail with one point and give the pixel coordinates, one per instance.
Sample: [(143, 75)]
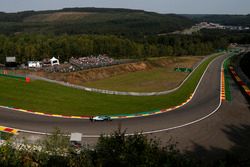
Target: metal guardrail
[(119, 92), (13, 76)]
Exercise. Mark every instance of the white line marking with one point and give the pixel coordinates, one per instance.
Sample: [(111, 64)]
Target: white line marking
[(166, 129), (134, 116), (102, 91), (188, 100)]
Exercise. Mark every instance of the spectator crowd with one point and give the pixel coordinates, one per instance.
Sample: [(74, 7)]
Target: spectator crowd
[(93, 62)]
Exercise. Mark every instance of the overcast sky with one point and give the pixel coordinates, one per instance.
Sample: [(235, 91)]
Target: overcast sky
[(161, 6)]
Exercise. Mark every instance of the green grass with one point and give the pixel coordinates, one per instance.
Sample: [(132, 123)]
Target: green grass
[(46, 97), (157, 79), (227, 78), (160, 77)]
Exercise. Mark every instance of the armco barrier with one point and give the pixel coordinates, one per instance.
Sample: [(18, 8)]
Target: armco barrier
[(119, 92), (26, 79), (243, 86), (183, 69), (13, 76)]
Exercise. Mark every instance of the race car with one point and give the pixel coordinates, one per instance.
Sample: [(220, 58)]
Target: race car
[(100, 118)]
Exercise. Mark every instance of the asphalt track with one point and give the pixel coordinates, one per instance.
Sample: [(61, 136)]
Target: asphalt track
[(204, 102)]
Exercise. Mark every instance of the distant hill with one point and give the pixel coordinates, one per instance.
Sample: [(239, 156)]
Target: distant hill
[(234, 20), (57, 17), (92, 21)]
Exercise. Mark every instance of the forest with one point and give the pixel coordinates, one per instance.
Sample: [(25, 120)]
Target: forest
[(233, 20), (37, 47), (119, 33)]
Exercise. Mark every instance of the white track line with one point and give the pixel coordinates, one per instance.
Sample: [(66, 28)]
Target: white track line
[(159, 93), (160, 130), (196, 121)]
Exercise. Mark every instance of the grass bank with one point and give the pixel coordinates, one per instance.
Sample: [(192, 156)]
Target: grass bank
[(46, 97), (160, 77)]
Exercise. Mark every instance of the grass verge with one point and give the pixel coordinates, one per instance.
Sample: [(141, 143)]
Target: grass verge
[(46, 97), (227, 78), (160, 77)]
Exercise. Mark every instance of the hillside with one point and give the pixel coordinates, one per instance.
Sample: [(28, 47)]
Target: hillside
[(57, 17), (92, 21)]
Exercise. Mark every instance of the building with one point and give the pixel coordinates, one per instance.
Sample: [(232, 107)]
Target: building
[(11, 62), (34, 64), (76, 139), (54, 61)]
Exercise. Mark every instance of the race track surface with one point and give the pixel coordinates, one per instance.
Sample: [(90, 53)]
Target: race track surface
[(205, 101)]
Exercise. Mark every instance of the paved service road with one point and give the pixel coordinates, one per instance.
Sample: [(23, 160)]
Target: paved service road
[(205, 101)]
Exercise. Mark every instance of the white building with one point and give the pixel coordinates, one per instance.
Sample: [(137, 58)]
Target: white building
[(54, 61), (11, 59), (76, 139), (34, 64)]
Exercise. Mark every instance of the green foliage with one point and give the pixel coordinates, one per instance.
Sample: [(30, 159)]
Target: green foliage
[(137, 150), (53, 151), (117, 149), (5, 136), (114, 150), (233, 20), (56, 144), (223, 37), (36, 47)]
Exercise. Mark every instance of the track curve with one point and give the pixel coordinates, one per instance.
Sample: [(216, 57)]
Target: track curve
[(205, 101)]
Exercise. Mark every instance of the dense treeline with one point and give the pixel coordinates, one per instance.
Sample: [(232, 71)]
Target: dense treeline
[(36, 47), (116, 150), (234, 20), (92, 21), (241, 37)]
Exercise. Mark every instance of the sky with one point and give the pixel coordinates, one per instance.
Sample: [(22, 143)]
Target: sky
[(160, 6)]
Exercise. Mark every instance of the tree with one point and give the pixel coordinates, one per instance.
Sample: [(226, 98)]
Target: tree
[(136, 150)]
